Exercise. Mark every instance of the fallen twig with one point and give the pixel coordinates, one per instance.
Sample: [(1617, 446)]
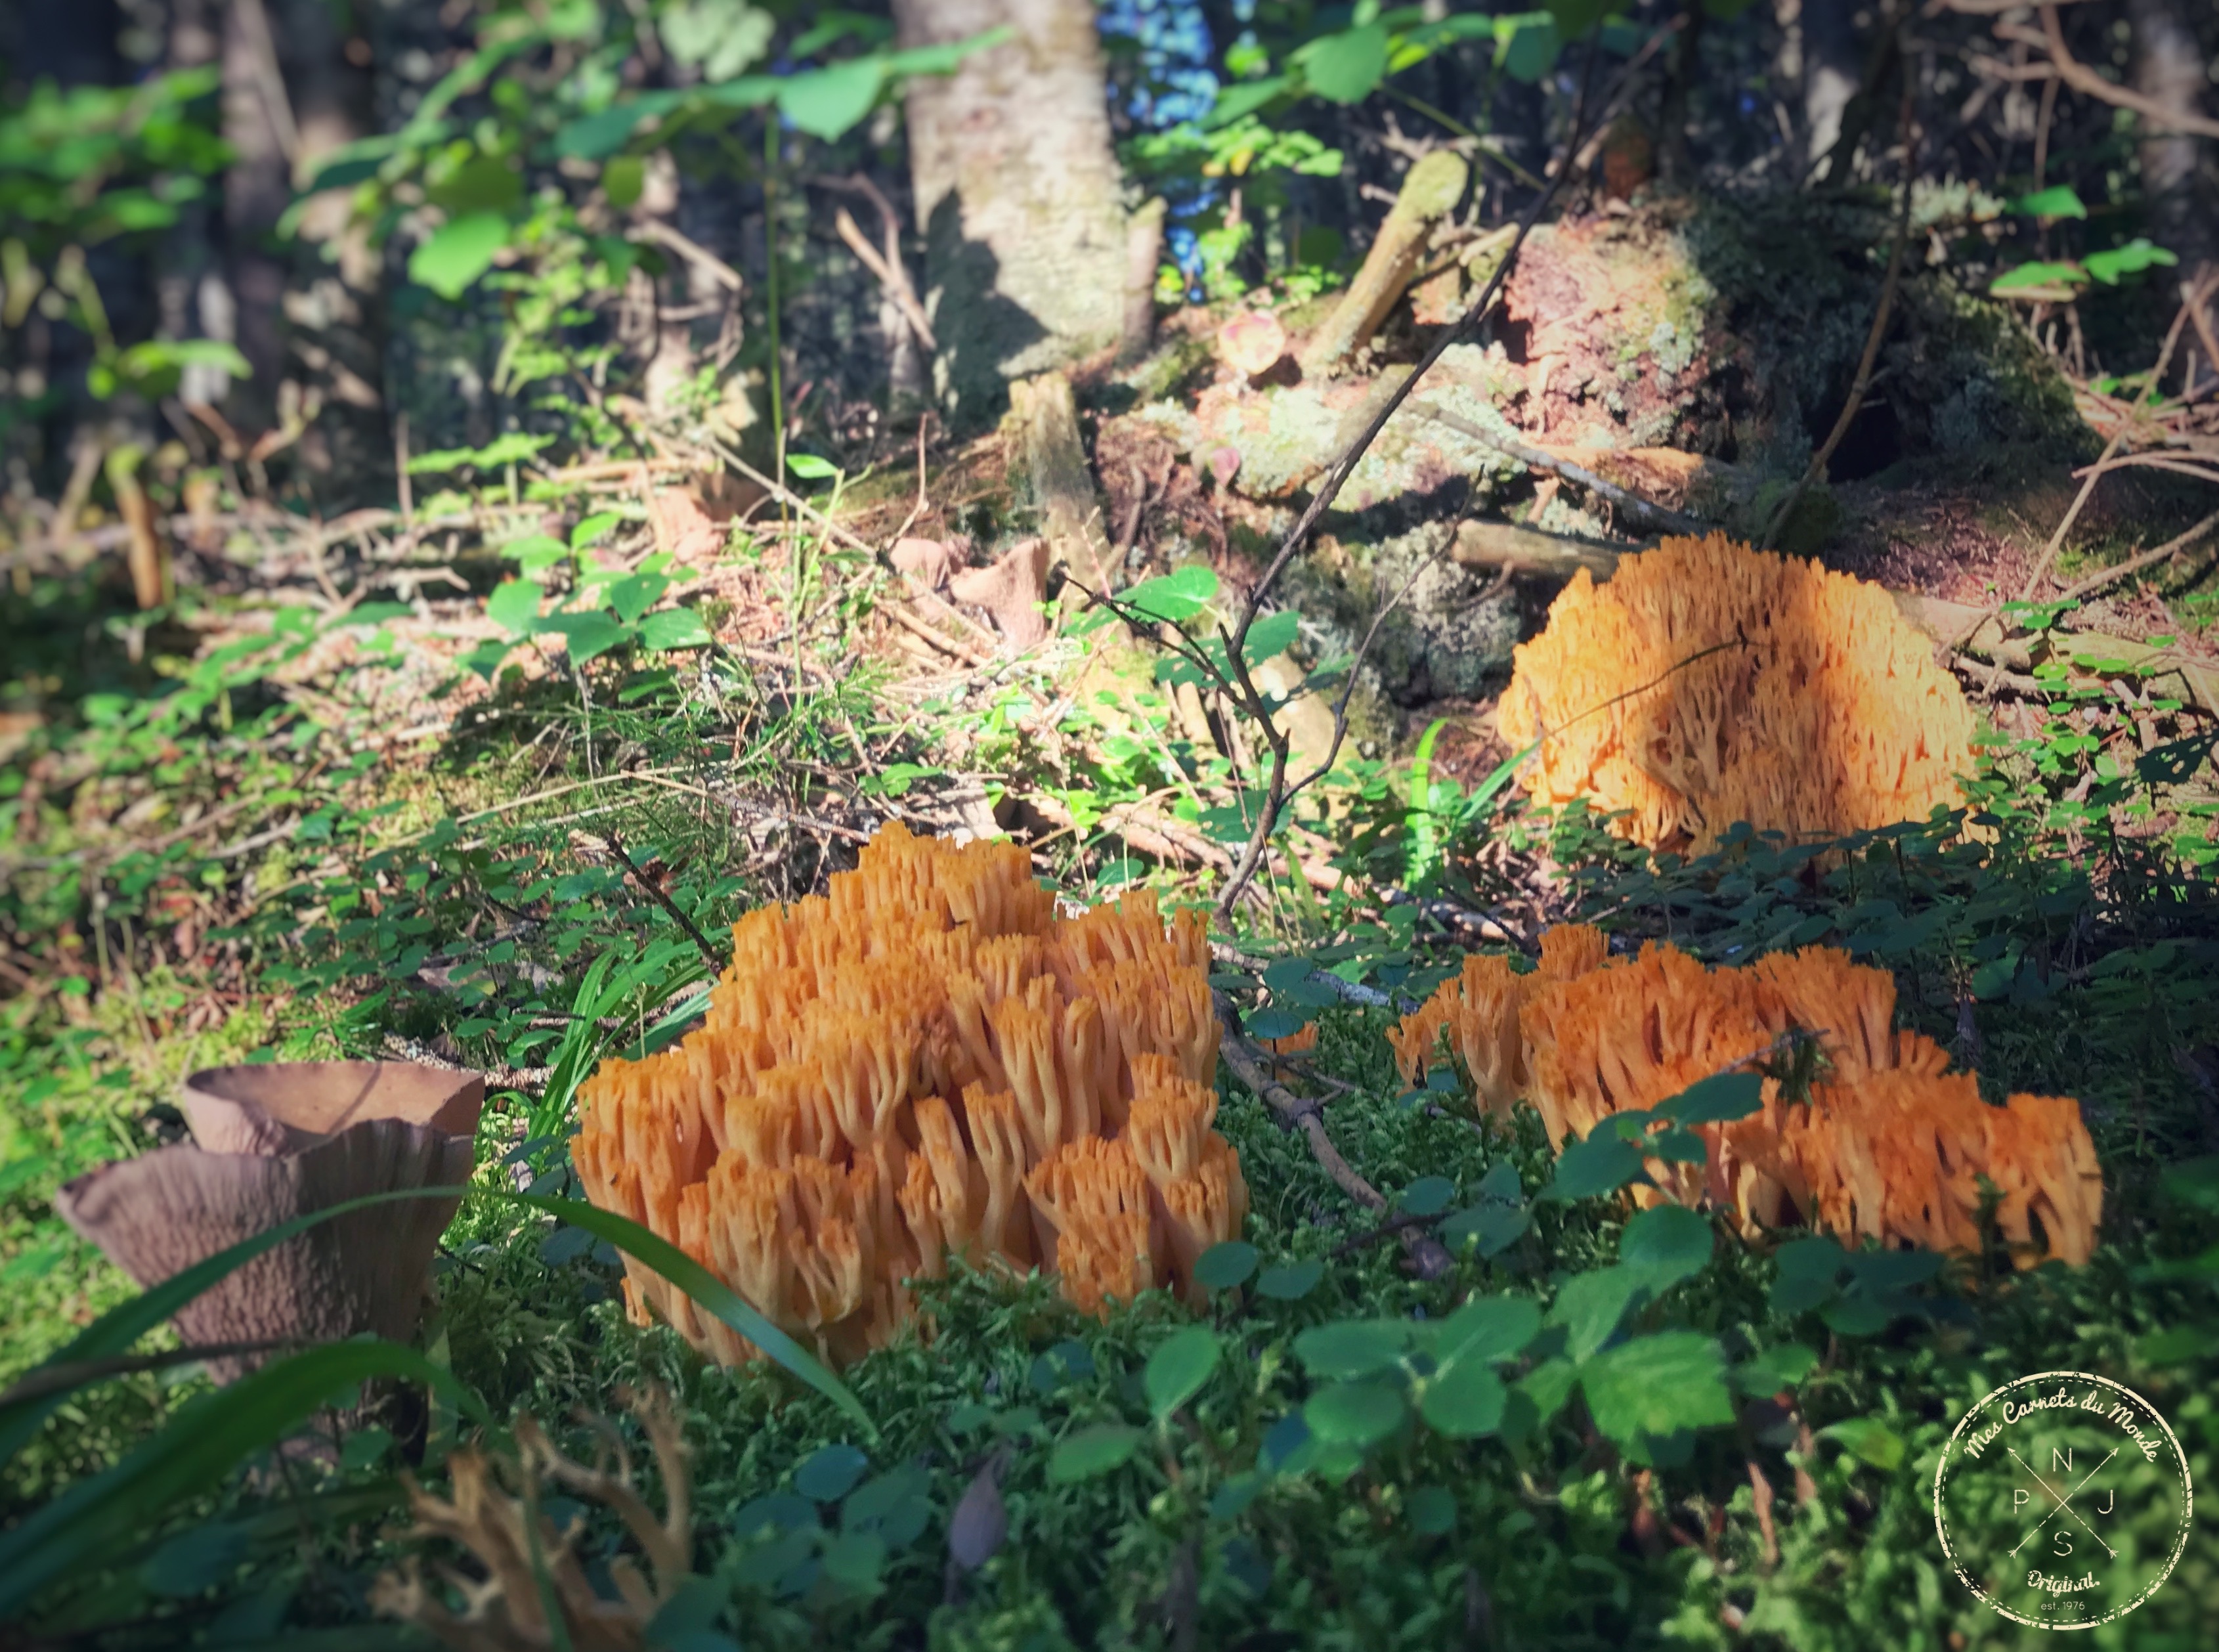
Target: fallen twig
[(1662, 516), (1428, 1259)]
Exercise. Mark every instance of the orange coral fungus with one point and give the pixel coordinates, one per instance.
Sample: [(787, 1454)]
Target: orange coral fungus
[(1708, 683), (924, 1063), (1889, 1144)]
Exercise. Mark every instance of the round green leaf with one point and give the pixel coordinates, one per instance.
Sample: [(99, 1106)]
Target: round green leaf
[(1349, 1348), (830, 1474), (1223, 1266), (1657, 1384), (1345, 68), (1601, 1164), (1092, 1452), (1668, 1244), (856, 1558), (1176, 1370), (1488, 1328), (1355, 1413), (459, 252), (1464, 1402), (825, 103), (1290, 1281), (1428, 1195)]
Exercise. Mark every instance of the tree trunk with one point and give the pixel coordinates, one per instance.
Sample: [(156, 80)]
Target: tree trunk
[(309, 318), (1833, 64), (1017, 193), (2178, 179)]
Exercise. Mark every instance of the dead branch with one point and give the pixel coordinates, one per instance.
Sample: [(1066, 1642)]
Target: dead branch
[(2134, 564), (1664, 517)]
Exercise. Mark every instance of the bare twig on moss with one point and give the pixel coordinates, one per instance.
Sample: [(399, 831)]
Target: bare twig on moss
[(1252, 1066), (661, 896), (2165, 552)]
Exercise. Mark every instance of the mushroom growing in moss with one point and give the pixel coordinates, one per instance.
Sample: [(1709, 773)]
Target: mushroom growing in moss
[(925, 1063), (276, 1141), (1708, 683)]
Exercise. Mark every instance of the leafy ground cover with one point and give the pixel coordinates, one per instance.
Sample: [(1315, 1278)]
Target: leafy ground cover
[(1593, 1430)]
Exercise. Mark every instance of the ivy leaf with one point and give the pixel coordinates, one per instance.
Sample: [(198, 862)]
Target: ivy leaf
[(1428, 1195), (1806, 1272), (1657, 1384), (1490, 1229), (459, 252), (634, 595), (826, 103), (830, 1473), (2059, 201)]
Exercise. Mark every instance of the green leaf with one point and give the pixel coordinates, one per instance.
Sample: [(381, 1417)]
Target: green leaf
[(830, 1473), (1720, 1099), (854, 1559), (2059, 201), (1666, 1245), (1348, 67), (94, 1516), (1176, 1370), (1574, 18), (1355, 1413), (1272, 636), (809, 468), (1290, 1281), (1173, 597), (1223, 1266), (1775, 1368), (634, 595), (1601, 1164), (2131, 259), (1490, 1229), (591, 528), (514, 606), (826, 103), (587, 635), (1428, 1195), (1868, 1440), (675, 628), (948, 56), (1349, 1348), (1464, 1402), (1527, 47), (1657, 1384), (1092, 1452), (534, 552), (1591, 1305), (1806, 1272), (1488, 1328), (2040, 276), (1243, 98), (459, 252), (1433, 1510)]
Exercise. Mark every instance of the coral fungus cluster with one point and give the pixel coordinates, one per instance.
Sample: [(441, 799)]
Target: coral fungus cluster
[(1706, 683), (925, 1062), (1889, 1144)]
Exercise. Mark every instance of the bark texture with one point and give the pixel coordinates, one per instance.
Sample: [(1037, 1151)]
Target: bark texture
[(2178, 168), (1017, 193)]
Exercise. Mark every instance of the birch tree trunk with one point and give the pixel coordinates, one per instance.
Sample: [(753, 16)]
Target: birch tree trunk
[(1017, 194), (2181, 170)]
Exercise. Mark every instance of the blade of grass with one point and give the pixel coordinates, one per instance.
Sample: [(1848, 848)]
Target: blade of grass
[(190, 1456), (24, 1409)]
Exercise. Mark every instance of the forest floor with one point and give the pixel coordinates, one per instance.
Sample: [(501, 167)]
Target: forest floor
[(288, 815)]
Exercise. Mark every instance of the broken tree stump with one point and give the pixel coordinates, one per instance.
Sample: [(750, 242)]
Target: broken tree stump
[(1430, 192)]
